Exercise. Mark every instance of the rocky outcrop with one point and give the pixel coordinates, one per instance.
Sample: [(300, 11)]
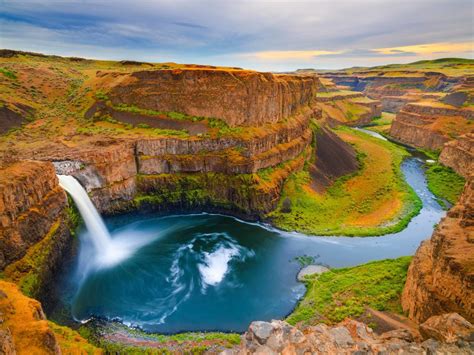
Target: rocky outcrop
[(348, 337), (430, 125), (448, 328), (25, 330), (459, 155), (441, 276), (24, 325), (31, 203), (239, 97)]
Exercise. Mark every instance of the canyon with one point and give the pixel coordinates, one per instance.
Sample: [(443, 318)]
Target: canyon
[(171, 138)]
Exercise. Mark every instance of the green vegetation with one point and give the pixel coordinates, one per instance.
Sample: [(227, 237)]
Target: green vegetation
[(340, 293), (29, 271), (385, 119), (222, 126), (375, 200), (188, 343), (445, 183), (8, 73), (336, 93), (382, 123), (71, 342), (100, 95)]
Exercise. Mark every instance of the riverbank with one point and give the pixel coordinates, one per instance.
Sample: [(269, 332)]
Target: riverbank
[(374, 201)]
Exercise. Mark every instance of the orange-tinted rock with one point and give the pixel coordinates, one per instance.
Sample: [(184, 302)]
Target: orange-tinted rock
[(31, 201), (441, 276), (448, 328), (25, 330), (430, 125), (239, 97), (24, 319), (459, 155)]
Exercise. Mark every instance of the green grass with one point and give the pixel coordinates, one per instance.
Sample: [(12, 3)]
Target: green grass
[(352, 197), (336, 93), (445, 183), (341, 293), (8, 73), (385, 119), (221, 125)]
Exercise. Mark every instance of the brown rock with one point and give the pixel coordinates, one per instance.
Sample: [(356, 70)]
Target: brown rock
[(239, 97), (447, 328), (421, 124), (31, 201), (459, 155), (441, 276)]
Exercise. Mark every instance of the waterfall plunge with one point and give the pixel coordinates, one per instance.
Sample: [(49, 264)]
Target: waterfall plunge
[(101, 250)]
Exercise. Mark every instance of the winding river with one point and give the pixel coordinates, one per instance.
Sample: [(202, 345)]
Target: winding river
[(213, 272)]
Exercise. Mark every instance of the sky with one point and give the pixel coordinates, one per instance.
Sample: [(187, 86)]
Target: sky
[(268, 35)]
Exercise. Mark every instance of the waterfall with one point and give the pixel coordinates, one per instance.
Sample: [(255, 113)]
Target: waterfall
[(98, 248), (94, 223)]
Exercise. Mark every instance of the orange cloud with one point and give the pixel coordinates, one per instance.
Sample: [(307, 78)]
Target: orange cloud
[(429, 48)]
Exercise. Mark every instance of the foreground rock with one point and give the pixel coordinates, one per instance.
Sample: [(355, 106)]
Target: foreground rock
[(348, 337), (25, 330), (447, 328), (441, 276)]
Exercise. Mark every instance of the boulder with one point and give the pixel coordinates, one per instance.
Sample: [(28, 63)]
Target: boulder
[(447, 328), (311, 270)]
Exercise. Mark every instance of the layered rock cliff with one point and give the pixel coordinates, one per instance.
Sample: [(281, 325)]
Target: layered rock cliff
[(240, 98), (459, 155), (31, 204), (441, 276), (430, 125)]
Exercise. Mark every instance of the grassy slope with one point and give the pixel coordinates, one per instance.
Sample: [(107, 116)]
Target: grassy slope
[(342, 293), (444, 183), (382, 124), (375, 201)]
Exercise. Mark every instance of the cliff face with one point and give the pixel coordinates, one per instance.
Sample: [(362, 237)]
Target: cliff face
[(429, 125), (31, 202), (459, 155), (441, 276), (25, 330), (240, 98)]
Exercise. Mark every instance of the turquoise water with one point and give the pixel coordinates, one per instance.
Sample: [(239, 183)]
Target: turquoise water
[(212, 272)]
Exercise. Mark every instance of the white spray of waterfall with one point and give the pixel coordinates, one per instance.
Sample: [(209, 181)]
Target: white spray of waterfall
[(106, 251), (94, 223)]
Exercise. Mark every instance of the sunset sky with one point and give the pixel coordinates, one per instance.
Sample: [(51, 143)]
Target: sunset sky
[(256, 34)]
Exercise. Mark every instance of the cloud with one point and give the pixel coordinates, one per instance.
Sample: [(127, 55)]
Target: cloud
[(262, 34), (430, 48), (282, 55)]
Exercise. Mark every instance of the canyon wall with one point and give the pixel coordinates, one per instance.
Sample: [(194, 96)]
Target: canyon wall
[(429, 125), (441, 276), (31, 205), (459, 155), (239, 97)]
